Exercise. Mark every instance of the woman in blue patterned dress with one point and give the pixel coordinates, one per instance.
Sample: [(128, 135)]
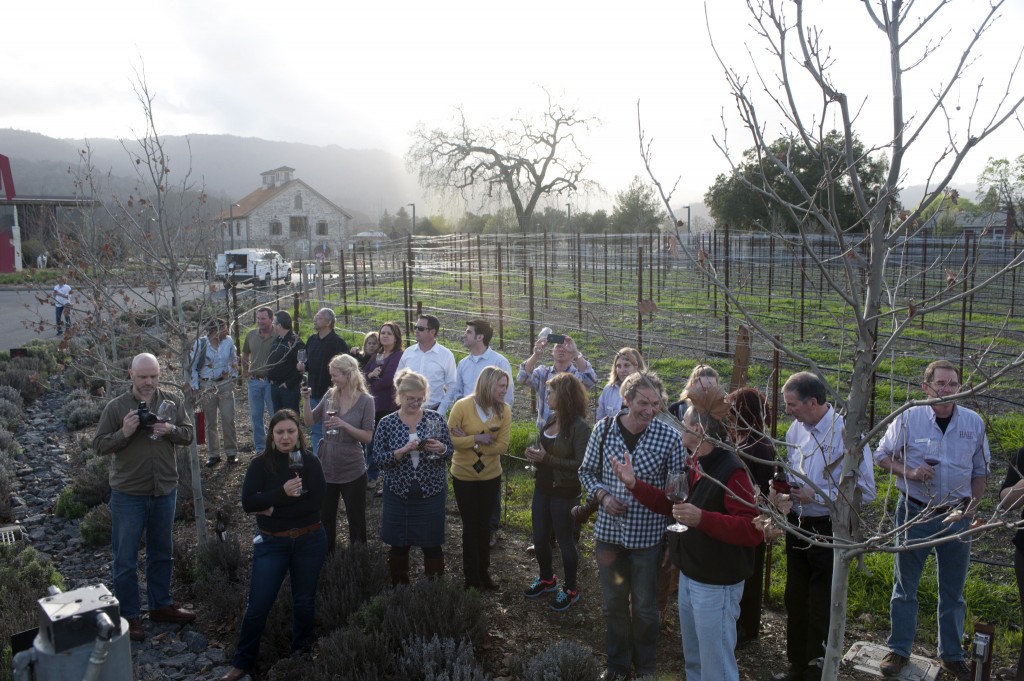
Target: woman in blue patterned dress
[(412, 447)]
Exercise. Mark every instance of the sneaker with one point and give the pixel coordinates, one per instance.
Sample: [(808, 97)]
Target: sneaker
[(210, 463), (232, 460), (541, 586), (958, 669), (565, 598), (892, 664)]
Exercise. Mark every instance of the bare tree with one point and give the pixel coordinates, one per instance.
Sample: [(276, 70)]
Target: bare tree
[(791, 56), (136, 263), (522, 163)]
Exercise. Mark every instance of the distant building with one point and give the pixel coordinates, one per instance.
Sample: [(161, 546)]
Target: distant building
[(287, 215), (993, 227)]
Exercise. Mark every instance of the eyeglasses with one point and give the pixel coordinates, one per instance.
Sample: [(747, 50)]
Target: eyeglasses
[(421, 328), (942, 385)]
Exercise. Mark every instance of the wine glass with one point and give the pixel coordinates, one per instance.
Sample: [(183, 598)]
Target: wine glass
[(300, 355), (430, 432), (295, 464), (163, 415), (331, 412), (531, 469), (677, 489)]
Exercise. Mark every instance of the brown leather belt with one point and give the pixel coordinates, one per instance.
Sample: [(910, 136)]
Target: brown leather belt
[(962, 503), (293, 534)]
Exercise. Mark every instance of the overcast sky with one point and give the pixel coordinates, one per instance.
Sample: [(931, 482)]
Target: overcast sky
[(364, 74)]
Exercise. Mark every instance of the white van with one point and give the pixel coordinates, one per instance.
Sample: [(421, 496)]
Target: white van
[(258, 266)]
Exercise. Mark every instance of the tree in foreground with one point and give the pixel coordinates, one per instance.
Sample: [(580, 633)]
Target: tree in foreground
[(520, 164), (795, 87)]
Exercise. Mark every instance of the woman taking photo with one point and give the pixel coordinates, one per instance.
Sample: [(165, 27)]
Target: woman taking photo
[(284, 487), (346, 411), (480, 426), (563, 442), (380, 378), (627, 361), (412, 448), (702, 376)]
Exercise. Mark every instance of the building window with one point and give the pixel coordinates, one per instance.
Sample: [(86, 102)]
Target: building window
[(297, 225), (238, 229), (275, 228), (298, 202), (321, 228)]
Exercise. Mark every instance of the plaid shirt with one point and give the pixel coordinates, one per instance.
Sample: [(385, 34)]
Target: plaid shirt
[(659, 450)]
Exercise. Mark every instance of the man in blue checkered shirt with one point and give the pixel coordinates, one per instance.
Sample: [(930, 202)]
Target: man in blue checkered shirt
[(628, 535)]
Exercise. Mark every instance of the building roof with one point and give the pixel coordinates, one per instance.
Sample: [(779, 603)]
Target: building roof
[(277, 170), (247, 204)]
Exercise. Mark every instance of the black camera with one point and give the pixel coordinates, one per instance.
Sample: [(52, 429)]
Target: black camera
[(147, 419), (555, 338)]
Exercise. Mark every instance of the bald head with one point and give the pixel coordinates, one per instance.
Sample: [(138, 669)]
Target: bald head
[(145, 375)]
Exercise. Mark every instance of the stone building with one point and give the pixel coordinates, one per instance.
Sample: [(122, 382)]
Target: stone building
[(287, 215)]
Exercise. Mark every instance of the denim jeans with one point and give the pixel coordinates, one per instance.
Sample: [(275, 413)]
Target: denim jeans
[(707, 622), (283, 397), (272, 559), (132, 516), (951, 559), (550, 514), (316, 432), (629, 590), (259, 402)]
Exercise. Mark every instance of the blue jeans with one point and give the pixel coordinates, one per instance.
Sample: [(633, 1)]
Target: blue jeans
[(132, 516), (259, 401), (550, 514), (283, 397), (316, 433), (707, 622), (629, 589), (272, 559), (952, 560)]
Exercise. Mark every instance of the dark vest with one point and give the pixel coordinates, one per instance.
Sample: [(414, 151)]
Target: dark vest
[(700, 557)]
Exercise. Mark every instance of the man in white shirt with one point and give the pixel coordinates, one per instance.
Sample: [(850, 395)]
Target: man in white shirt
[(62, 303), (940, 456), (431, 359), (815, 450), (214, 370)]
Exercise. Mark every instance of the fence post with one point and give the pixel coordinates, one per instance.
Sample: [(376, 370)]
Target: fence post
[(579, 281), (728, 268), (963, 301), (480, 273), (501, 304), (295, 314), (639, 299), (344, 288)]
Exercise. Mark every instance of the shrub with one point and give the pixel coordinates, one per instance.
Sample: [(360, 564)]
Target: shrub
[(213, 571), (95, 526), (365, 648), (92, 484), (9, 447), (24, 381), (10, 414), (66, 506), (563, 661), (81, 410), (25, 576), (5, 494), (11, 395), (349, 579), (440, 659)]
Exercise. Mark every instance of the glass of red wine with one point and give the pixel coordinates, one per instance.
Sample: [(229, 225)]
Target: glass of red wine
[(295, 464), (677, 489), (164, 414), (331, 412)]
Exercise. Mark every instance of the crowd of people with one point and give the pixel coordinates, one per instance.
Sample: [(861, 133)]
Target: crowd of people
[(400, 424)]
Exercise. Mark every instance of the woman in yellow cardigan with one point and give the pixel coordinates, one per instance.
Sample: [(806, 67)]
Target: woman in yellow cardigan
[(479, 425)]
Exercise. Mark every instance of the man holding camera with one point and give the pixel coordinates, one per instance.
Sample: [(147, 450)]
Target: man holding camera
[(566, 357), (143, 483)]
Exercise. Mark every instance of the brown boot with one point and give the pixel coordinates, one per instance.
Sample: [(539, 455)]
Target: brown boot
[(433, 567), (399, 567)]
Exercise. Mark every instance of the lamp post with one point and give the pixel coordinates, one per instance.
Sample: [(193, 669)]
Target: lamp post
[(413, 231), (231, 224), (688, 230)]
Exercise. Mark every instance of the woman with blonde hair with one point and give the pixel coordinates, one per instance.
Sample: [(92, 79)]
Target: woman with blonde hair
[(346, 411), (412, 448), (480, 425), (627, 361), (702, 376)]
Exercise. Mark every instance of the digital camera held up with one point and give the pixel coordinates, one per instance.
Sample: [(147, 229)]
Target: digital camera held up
[(147, 419)]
